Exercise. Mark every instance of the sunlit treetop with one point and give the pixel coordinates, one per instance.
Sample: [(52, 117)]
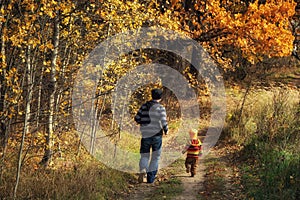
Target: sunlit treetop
[(259, 29)]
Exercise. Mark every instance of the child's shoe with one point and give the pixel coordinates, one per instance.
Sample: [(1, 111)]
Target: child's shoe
[(193, 174), (188, 170)]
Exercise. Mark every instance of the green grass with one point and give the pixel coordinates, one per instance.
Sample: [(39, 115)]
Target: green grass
[(276, 174), (167, 189), (268, 128), (171, 187), (129, 142), (215, 179)]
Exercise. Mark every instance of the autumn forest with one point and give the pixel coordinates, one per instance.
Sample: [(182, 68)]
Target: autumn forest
[(51, 52)]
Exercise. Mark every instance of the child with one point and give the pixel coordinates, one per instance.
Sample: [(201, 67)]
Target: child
[(193, 150)]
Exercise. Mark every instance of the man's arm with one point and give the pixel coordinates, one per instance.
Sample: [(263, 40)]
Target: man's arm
[(138, 116), (163, 120)]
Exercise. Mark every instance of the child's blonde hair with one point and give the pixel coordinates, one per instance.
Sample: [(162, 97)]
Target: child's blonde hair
[(193, 133)]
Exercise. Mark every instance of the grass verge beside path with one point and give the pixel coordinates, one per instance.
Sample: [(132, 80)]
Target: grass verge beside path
[(268, 128), (222, 178), (87, 181)]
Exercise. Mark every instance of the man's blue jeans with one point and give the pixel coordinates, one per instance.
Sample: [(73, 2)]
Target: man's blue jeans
[(154, 143)]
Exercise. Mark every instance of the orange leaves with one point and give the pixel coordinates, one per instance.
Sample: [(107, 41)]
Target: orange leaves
[(2, 11), (47, 46), (126, 15), (66, 7), (257, 29), (12, 81), (262, 30), (30, 6)]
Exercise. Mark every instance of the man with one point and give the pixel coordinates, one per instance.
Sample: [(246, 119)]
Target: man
[(153, 123)]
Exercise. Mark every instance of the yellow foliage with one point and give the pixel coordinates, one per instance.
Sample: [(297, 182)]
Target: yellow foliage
[(262, 30)]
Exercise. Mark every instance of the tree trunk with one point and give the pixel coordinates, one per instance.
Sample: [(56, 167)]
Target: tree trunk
[(52, 89), (26, 120), (2, 83), (94, 125), (3, 127)]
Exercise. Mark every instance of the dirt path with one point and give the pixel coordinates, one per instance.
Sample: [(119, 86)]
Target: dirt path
[(191, 185), (217, 178), (141, 191), (222, 179)]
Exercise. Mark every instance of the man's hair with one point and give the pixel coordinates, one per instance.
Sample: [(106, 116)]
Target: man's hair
[(156, 94)]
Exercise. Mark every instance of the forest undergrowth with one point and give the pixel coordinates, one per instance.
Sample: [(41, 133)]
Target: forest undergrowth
[(266, 131), (257, 157)]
